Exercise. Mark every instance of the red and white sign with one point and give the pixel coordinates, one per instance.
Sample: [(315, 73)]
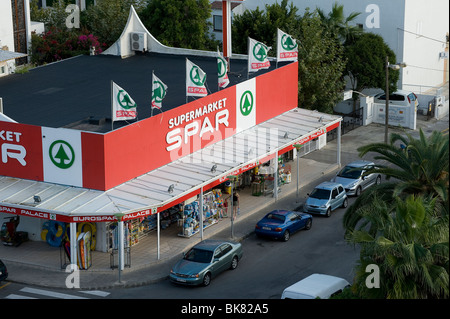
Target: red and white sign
[(102, 161)]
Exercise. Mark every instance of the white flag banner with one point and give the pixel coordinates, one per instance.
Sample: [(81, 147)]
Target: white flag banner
[(222, 70), (287, 47), (257, 56), (195, 80), (123, 106), (159, 91)]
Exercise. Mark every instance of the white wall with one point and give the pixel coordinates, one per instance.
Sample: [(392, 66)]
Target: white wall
[(421, 53), (426, 69), (6, 25)]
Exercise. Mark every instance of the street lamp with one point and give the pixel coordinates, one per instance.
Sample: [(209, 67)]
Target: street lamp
[(396, 66)]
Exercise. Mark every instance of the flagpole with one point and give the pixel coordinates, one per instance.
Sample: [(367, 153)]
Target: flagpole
[(112, 107), (248, 63), (185, 81), (151, 101)]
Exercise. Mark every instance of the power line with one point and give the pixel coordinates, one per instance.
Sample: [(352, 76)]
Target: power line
[(422, 36), (424, 68)]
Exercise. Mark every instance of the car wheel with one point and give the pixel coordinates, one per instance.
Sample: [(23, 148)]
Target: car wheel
[(308, 224), (378, 181), (328, 213), (234, 263), (206, 279), (286, 235), (345, 203), (358, 191)]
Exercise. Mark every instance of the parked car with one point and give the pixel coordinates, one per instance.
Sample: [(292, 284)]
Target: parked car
[(351, 177), (315, 286), (3, 271), (325, 198), (400, 97), (281, 224), (206, 260)]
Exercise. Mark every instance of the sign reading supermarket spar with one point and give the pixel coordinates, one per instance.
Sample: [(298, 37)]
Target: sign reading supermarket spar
[(102, 161)]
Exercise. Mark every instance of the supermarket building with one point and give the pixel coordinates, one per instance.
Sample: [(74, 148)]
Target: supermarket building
[(64, 176)]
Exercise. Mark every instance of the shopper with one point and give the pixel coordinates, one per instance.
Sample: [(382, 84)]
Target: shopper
[(235, 204)]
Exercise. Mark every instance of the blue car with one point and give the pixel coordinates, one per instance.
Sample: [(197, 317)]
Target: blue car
[(281, 224), (325, 198)]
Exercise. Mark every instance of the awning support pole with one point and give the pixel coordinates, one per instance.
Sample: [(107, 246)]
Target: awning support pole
[(339, 144), (73, 245), (275, 180), (158, 231), (121, 240), (200, 201)]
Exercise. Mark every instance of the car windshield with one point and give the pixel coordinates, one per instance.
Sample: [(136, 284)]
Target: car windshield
[(350, 172), (276, 217), (199, 255), (320, 193)]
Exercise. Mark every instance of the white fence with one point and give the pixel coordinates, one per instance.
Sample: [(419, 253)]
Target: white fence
[(405, 116)]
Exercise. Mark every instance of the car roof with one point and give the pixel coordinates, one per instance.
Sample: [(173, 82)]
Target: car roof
[(359, 163), (328, 185), (403, 92), (210, 244), (317, 285), (280, 211)]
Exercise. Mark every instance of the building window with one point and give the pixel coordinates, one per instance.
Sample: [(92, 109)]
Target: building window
[(217, 23), (2, 70)]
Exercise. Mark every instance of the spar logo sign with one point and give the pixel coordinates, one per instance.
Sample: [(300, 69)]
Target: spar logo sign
[(260, 51), (61, 154), (195, 80), (197, 76), (287, 43), (246, 103)]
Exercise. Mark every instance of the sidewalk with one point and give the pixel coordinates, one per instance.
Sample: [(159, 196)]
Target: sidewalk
[(36, 263)]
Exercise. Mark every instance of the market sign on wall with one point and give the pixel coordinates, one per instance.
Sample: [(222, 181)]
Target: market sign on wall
[(102, 161)]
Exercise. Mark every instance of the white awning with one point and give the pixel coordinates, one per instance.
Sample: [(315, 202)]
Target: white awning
[(150, 192)]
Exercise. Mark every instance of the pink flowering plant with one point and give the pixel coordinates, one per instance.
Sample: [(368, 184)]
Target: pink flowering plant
[(57, 44)]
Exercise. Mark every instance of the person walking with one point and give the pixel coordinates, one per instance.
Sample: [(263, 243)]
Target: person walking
[(235, 204)]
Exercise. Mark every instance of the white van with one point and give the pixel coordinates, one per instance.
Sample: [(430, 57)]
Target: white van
[(400, 97), (315, 286)]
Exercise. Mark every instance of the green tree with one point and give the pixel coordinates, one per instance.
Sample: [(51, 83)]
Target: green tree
[(321, 65), (367, 62), (339, 25), (419, 168), (107, 18), (403, 225), (180, 23), (262, 25), (410, 249)]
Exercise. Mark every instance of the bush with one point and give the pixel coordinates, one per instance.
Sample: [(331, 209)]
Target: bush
[(57, 44)]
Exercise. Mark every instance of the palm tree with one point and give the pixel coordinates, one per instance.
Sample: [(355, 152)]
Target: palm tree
[(339, 25), (402, 225), (420, 167), (410, 250)]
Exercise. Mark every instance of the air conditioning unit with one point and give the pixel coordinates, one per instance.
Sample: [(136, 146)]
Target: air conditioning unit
[(138, 41)]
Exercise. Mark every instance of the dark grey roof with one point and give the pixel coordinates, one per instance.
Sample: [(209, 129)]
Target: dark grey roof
[(69, 92)]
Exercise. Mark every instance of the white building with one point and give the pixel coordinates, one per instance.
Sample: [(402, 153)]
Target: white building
[(417, 31), (15, 32)]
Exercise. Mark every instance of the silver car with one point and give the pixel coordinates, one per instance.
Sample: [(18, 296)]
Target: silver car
[(325, 198), (351, 177)]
